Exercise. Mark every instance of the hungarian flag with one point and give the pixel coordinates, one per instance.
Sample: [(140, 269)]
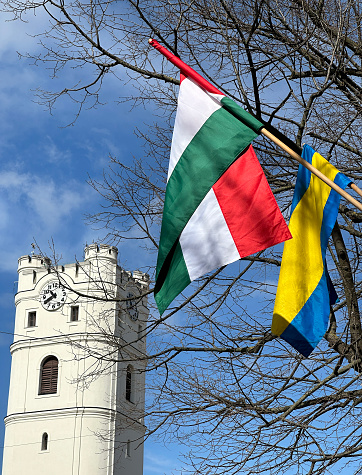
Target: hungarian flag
[(218, 204)]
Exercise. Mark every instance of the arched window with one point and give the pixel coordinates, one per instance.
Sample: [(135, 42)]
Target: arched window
[(129, 395), (128, 448), (44, 441), (49, 376)]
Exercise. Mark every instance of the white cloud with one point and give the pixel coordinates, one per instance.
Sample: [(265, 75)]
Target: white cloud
[(41, 208), (54, 154), (46, 200)]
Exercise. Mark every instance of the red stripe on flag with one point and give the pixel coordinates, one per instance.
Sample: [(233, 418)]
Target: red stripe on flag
[(249, 207)]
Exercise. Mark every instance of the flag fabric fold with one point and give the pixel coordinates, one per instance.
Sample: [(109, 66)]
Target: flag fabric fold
[(218, 204), (305, 292)]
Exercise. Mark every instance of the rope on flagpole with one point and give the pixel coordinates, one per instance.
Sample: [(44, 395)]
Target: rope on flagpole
[(201, 81)]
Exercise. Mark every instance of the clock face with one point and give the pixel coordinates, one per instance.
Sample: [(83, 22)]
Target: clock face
[(53, 295), (131, 307)]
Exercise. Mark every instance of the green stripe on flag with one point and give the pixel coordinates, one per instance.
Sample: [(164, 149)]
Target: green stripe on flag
[(173, 279), (241, 114), (212, 150)]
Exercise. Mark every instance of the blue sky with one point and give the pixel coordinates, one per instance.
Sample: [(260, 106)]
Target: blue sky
[(43, 173), (44, 167)]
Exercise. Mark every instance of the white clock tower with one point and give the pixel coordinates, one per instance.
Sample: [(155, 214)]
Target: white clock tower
[(76, 397)]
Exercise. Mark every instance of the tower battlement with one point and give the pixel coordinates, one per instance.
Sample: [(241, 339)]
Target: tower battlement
[(100, 251), (33, 261)]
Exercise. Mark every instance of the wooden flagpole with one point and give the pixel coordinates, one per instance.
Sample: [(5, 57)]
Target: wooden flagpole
[(188, 71), (314, 170), (356, 189)]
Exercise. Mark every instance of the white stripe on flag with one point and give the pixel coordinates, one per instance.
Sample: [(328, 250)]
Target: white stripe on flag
[(206, 241), (195, 106)]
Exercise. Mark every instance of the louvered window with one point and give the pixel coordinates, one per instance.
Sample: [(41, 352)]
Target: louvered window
[(49, 376)]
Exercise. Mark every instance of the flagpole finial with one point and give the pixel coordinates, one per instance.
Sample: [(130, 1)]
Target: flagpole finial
[(150, 40)]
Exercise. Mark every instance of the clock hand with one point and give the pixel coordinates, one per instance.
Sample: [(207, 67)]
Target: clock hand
[(51, 297)]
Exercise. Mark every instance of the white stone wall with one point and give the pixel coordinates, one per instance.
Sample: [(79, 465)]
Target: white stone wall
[(73, 447)]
